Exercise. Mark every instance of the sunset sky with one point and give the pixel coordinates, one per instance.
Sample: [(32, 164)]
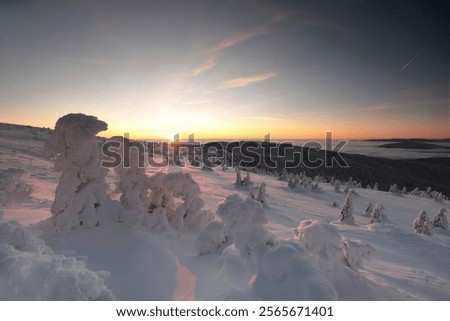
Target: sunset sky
[(229, 69)]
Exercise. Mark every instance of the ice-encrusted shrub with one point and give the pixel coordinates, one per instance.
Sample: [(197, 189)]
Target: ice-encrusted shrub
[(303, 183), (257, 262), (337, 186), (440, 220), (244, 221), (346, 215), (238, 177), (81, 192), (377, 215), (175, 202), (13, 185), (258, 192), (29, 270), (132, 184), (333, 253), (368, 209), (421, 224), (212, 238)]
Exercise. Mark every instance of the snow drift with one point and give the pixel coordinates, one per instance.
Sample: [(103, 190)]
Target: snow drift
[(29, 270)]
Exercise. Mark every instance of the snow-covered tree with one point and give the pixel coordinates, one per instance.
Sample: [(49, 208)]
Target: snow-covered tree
[(393, 189), (247, 181), (438, 197), (375, 186), (347, 210), (13, 185), (132, 184), (238, 177), (368, 186), (332, 252), (421, 224), (346, 189), (279, 269), (368, 209), (165, 208), (212, 238), (81, 192), (440, 220), (377, 215), (337, 186), (244, 221), (261, 197)]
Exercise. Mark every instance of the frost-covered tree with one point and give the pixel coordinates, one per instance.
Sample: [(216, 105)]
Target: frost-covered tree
[(261, 196), (440, 220), (244, 221), (375, 186), (438, 197), (256, 261), (81, 192), (368, 209), (175, 202), (337, 186), (404, 192), (247, 181), (393, 189), (377, 215), (212, 238), (292, 182), (333, 253), (13, 185), (421, 224), (347, 210), (238, 177), (132, 184)]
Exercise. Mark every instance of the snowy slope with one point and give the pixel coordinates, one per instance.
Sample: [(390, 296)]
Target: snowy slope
[(162, 265)]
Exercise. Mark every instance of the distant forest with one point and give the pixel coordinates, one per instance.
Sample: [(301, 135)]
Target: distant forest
[(367, 170)]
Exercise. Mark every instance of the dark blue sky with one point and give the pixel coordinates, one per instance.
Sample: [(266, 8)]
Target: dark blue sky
[(229, 69)]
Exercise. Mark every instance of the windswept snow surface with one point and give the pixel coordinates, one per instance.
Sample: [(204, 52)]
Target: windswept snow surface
[(321, 259)]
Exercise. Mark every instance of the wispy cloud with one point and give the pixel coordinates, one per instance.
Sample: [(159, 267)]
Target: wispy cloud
[(246, 81), (208, 64), (212, 53), (238, 38)]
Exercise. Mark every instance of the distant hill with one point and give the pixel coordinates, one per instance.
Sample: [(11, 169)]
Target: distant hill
[(25, 132), (413, 145)]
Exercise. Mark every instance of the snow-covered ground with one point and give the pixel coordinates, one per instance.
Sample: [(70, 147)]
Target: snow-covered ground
[(291, 248)]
